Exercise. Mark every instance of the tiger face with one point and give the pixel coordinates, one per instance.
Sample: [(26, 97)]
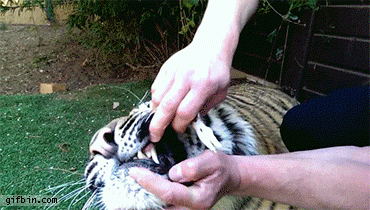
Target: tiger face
[(127, 144)]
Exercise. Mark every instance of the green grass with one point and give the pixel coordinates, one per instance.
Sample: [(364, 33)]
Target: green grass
[(44, 139), (3, 26)]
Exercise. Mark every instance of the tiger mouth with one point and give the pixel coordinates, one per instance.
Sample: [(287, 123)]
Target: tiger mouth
[(148, 158), (161, 156), (148, 152)]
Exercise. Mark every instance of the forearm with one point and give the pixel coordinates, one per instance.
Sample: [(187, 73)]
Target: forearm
[(323, 179), (221, 25)]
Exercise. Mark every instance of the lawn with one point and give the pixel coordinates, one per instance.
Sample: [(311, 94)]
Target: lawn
[(44, 139)]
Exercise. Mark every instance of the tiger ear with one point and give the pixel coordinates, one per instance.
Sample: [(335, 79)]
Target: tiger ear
[(113, 123)]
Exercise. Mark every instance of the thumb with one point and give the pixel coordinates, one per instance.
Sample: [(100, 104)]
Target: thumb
[(194, 169)]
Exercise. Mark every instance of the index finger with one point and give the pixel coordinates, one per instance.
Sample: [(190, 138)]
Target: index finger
[(167, 109), (162, 83)]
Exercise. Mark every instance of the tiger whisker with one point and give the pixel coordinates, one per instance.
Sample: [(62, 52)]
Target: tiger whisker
[(87, 192), (144, 96), (75, 197), (129, 91), (52, 205), (246, 123), (66, 184), (99, 205), (89, 201), (71, 194), (61, 188)]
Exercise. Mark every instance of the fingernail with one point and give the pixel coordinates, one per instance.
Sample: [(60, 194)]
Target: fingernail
[(175, 173), (154, 138)]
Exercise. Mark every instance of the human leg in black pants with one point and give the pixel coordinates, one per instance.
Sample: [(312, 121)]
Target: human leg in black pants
[(339, 119)]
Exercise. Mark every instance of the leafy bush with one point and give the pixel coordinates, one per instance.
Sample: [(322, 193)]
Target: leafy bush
[(148, 32), (142, 32)]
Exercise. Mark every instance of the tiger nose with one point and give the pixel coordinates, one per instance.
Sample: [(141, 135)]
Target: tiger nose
[(103, 143)]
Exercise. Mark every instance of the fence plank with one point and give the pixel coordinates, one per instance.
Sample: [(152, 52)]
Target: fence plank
[(344, 20), (324, 79), (342, 52)]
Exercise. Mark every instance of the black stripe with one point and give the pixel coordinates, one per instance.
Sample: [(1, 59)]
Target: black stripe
[(207, 120), (92, 187), (223, 115), (91, 167), (129, 122), (143, 130), (237, 133), (262, 108)]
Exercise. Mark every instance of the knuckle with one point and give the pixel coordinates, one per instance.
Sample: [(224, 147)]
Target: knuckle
[(210, 155), (155, 100), (169, 197), (211, 82), (168, 106), (153, 88), (185, 114), (179, 128), (216, 159)]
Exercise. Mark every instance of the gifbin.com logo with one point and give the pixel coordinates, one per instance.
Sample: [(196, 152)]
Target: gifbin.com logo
[(27, 200)]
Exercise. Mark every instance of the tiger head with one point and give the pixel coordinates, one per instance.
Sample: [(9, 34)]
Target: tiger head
[(125, 143)]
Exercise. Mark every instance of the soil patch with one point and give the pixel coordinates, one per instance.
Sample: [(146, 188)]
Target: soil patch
[(30, 55)]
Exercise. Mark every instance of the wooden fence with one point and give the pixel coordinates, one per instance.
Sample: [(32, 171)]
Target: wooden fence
[(328, 50)]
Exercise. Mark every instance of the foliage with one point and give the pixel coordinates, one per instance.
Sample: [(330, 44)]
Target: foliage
[(142, 32), (289, 10)]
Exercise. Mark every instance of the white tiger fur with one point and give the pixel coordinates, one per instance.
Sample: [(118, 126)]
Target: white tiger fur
[(115, 189)]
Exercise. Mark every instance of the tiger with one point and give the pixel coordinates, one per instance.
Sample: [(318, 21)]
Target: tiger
[(245, 123)]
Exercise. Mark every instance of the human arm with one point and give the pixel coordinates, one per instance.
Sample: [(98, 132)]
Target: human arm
[(333, 178), (196, 78)]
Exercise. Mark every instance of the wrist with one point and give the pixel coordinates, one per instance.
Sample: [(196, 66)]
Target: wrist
[(221, 26), (219, 30), (217, 42), (251, 175), (238, 176)]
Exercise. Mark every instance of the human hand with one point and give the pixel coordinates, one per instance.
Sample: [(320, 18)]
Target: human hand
[(193, 80), (213, 175)]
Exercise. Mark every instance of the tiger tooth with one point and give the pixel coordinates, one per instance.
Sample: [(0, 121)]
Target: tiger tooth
[(154, 155), (206, 135), (148, 153), (141, 155)]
